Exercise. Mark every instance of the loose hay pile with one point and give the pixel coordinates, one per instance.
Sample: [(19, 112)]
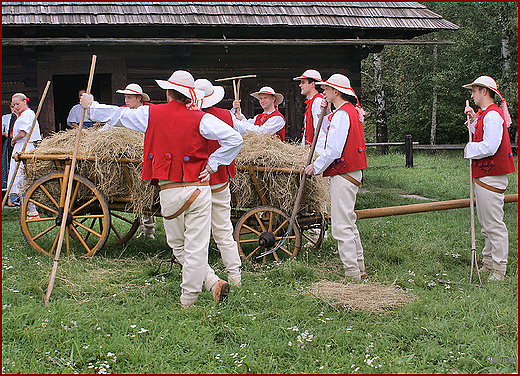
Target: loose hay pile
[(279, 188), (371, 297), (105, 172)]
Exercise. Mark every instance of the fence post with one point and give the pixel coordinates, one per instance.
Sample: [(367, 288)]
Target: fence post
[(408, 147)]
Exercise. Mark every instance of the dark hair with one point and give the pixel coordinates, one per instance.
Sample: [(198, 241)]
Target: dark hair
[(178, 96), (310, 80), (490, 92), (348, 98)]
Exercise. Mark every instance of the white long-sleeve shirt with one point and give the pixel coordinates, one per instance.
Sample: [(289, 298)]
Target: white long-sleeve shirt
[(75, 117), (337, 134), (316, 111), (491, 140), (24, 123), (271, 126), (210, 128)]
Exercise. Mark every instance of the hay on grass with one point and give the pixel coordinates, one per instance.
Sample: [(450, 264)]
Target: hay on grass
[(279, 188), (370, 297)]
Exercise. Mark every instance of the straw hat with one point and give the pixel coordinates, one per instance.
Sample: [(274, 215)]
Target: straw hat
[(340, 83), (268, 90), (134, 89), (212, 94), (309, 73), (484, 81), (182, 82)]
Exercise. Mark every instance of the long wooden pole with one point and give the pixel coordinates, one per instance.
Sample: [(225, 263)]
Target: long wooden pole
[(42, 99), (422, 208), (69, 188)]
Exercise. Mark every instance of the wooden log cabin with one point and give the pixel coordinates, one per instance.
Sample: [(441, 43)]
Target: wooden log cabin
[(139, 42)]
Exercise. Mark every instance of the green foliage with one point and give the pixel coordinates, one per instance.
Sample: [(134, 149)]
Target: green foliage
[(410, 73), (112, 313)]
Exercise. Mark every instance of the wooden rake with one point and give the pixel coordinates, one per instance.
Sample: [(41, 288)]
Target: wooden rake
[(42, 99), (236, 84), (69, 188)]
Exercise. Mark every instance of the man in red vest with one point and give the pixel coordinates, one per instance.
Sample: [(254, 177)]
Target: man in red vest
[(271, 121), (308, 81), (221, 226), (492, 159), (343, 159), (177, 158)]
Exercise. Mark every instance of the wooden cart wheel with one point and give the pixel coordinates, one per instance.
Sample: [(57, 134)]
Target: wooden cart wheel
[(261, 229), (88, 219), (123, 226), (313, 230)]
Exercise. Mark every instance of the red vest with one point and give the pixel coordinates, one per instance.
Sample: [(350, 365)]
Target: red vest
[(173, 146), (262, 118), (354, 156), (502, 162), (221, 175), (308, 120)]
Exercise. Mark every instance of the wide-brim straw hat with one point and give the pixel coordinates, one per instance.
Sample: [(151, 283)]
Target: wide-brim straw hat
[(134, 89), (268, 90), (484, 81), (212, 94), (182, 82), (309, 73), (339, 82)]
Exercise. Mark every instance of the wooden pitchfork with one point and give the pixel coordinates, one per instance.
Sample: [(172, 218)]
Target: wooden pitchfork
[(300, 190), (236, 84), (27, 141), (472, 211), (69, 188)]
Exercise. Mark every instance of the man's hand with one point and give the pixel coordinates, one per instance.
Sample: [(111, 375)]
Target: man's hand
[(309, 170), (468, 110), (86, 100), (205, 174)]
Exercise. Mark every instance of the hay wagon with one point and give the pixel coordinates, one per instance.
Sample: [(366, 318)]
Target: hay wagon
[(93, 217)]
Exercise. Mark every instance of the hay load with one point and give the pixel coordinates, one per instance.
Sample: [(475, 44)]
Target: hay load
[(279, 188), (105, 171)]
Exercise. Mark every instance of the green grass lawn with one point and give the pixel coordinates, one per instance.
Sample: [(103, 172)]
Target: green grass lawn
[(113, 314)]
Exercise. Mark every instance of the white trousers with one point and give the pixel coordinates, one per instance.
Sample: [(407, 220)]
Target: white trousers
[(222, 229), (188, 236), (20, 176), (490, 213), (343, 218)]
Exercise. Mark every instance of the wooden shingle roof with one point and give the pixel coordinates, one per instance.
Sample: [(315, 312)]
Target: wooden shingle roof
[(354, 15)]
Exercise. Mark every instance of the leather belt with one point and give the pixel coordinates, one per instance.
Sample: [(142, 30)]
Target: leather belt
[(220, 189), (488, 187), (185, 206), (351, 179), (180, 184)]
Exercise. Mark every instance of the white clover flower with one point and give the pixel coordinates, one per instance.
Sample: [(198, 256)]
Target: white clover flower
[(447, 287), (133, 326), (143, 330)]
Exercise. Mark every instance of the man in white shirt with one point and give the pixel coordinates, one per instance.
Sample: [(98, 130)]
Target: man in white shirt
[(176, 158), (343, 159), (74, 117), (270, 121), (492, 159)]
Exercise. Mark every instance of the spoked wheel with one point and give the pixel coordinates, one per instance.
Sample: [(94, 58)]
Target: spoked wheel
[(263, 229), (313, 230), (88, 220), (123, 226)]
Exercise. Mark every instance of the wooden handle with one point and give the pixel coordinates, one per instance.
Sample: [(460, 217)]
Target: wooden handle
[(304, 177), (42, 99), (69, 188)]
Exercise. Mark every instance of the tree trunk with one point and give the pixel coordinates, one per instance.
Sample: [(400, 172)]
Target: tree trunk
[(381, 126), (433, 133), (506, 53)]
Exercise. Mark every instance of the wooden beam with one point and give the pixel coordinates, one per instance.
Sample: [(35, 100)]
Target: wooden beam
[(8, 42)]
